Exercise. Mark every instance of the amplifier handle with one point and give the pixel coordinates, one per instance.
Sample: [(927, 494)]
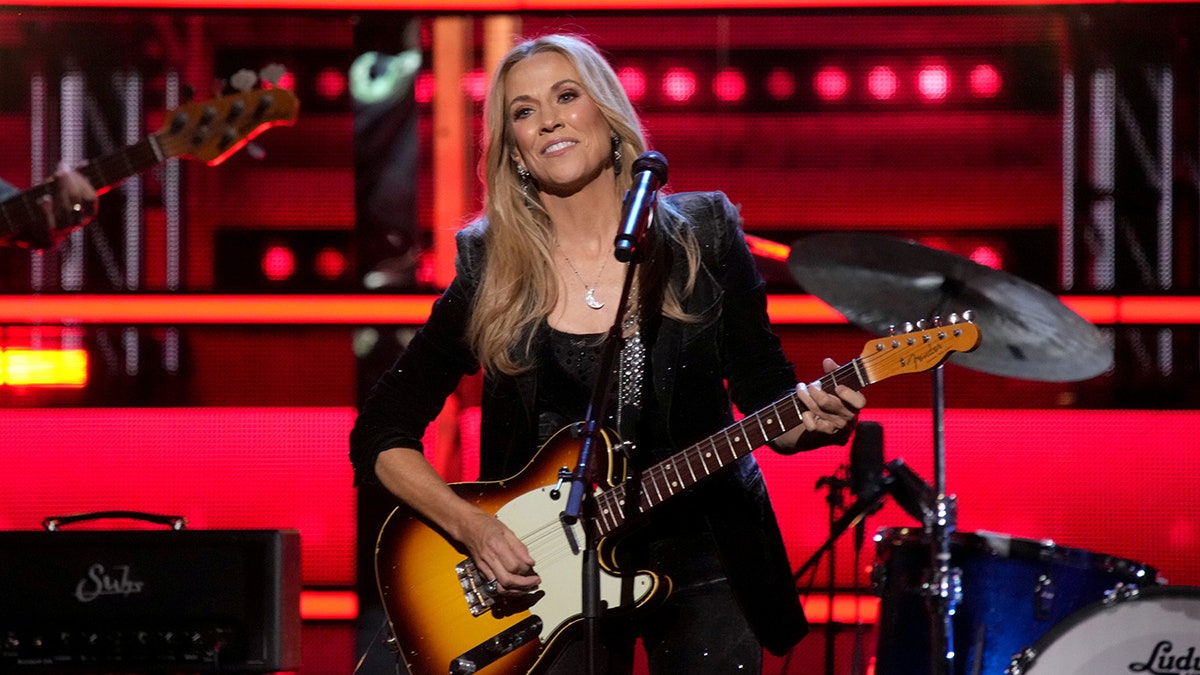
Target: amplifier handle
[(174, 522)]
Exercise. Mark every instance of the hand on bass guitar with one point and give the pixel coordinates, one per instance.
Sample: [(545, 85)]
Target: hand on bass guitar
[(68, 202), (209, 131)]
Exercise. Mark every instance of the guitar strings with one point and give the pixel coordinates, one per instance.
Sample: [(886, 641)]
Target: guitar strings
[(547, 542)]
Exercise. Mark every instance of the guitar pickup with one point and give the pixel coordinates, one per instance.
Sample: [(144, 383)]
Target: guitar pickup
[(486, 652), (479, 597)]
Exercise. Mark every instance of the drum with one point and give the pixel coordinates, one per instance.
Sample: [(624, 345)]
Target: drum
[(1155, 630), (1013, 592)]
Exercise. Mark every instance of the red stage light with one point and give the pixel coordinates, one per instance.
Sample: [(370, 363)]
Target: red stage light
[(985, 81), (331, 83), (423, 87), (278, 262), (831, 83), (330, 263), (988, 256), (729, 85), (781, 84), (933, 82), (634, 82), (883, 83), (287, 81), (43, 367), (679, 85)]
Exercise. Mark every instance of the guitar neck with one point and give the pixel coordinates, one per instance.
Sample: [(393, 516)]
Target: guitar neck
[(103, 173), (689, 466), (107, 171)]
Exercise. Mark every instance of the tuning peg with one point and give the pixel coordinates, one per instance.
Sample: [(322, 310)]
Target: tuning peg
[(273, 73), (243, 80), (953, 317), (255, 150), (909, 327), (937, 320), (186, 93), (891, 329), (968, 315), (920, 324)]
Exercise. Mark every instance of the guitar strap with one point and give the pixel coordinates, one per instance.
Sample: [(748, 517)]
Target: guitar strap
[(631, 367)]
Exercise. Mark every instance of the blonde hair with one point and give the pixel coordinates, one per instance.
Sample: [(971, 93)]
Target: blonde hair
[(518, 288)]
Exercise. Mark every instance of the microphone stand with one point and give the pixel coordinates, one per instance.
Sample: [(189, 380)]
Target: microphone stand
[(945, 587), (836, 501), (860, 509), (580, 505)]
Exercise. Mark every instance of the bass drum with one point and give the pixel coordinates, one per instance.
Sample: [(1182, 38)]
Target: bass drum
[(1154, 630), (1013, 592)]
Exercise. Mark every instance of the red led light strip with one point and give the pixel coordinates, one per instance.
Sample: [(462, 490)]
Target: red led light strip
[(328, 605), (543, 5), (353, 310), (847, 608)]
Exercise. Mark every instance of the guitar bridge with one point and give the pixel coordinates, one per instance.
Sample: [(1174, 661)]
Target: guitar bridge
[(479, 597)]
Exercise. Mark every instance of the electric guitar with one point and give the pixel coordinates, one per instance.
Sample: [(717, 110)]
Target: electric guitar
[(208, 131), (446, 619)]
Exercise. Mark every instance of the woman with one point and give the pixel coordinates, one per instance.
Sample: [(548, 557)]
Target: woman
[(535, 292)]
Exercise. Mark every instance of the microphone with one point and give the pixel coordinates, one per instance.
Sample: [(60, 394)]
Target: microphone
[(866, 472), (866, 460), (649, 174), (911, 492)]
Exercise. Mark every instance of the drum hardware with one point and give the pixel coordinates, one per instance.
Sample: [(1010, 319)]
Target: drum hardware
[(1153, 629), (1043, 597), (877, 281), (870, 494), (871, 481), (1006, 602), (1120, 593)]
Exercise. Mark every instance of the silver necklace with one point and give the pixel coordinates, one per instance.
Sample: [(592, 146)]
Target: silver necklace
[(590, 298)]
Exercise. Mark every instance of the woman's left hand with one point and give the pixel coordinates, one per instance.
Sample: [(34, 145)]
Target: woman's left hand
[(829, 418)]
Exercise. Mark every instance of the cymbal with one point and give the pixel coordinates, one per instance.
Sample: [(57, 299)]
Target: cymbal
[(878, 282)]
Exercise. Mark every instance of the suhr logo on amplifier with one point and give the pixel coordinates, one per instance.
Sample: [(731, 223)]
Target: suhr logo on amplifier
[(133, 601), (99, 582)]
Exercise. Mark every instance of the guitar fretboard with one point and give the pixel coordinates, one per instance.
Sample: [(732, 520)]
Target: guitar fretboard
[(689, 466), (102, 172)]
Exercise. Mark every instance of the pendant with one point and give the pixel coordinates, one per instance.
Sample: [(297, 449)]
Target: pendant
[(591, 300)]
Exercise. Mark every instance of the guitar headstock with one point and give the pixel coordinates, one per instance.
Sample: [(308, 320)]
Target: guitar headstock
[(212, 130), (918, 350)]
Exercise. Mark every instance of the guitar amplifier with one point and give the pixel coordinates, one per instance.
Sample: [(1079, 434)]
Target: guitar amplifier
[(128, 601)]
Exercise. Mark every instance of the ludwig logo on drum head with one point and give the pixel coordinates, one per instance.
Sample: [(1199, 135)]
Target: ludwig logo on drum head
[(1162, 661)]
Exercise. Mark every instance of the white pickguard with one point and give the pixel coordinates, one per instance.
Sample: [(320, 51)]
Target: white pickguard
[(533, 516)]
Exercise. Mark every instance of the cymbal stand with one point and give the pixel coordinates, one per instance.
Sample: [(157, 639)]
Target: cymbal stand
[(944, 587)]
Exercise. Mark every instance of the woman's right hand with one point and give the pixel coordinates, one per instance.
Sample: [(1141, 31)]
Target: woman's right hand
[(499, 554)]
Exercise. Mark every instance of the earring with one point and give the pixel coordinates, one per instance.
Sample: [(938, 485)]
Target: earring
[(616, 154), (525, 176)]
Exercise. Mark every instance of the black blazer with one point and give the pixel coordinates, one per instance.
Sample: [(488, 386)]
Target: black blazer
[(688, 367)]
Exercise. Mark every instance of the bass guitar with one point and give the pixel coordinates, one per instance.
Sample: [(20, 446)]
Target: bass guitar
[(446, 619), (209, 131)]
